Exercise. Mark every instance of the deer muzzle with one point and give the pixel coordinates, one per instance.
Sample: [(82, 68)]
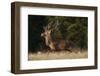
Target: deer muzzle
[(42, 34)]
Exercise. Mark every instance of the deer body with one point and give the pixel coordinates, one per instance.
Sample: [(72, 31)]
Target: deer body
[(48, 40), (57, 44)]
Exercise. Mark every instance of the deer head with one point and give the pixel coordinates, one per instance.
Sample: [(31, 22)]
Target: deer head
[(47, 36)]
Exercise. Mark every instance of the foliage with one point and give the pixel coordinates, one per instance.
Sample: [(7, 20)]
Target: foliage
[(72, 29)]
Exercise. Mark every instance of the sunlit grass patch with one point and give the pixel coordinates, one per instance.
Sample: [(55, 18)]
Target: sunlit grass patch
[(57, 55)]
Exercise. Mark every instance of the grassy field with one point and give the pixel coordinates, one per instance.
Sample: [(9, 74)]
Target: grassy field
[(57, 55)]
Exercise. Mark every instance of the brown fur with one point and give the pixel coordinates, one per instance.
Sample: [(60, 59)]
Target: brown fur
[(57, 44)]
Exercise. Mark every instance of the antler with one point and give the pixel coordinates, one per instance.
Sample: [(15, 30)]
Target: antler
[(52, 25), (49, 26)]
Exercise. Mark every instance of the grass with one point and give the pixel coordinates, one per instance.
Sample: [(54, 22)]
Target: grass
[(58, 55)]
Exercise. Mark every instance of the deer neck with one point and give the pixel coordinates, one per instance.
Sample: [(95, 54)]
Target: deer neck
[(48, 40)]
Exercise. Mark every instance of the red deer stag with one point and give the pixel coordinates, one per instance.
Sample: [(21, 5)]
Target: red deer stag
[(54, 45)]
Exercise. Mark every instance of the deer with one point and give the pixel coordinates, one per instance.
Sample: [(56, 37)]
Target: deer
[(53, 44)]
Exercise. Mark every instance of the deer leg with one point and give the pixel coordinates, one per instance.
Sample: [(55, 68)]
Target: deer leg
[(68, 50)]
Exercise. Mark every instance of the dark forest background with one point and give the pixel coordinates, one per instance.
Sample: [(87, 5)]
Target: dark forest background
[(72, 29)]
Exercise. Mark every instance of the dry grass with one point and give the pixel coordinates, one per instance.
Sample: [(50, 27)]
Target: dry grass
[(57, 55)]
